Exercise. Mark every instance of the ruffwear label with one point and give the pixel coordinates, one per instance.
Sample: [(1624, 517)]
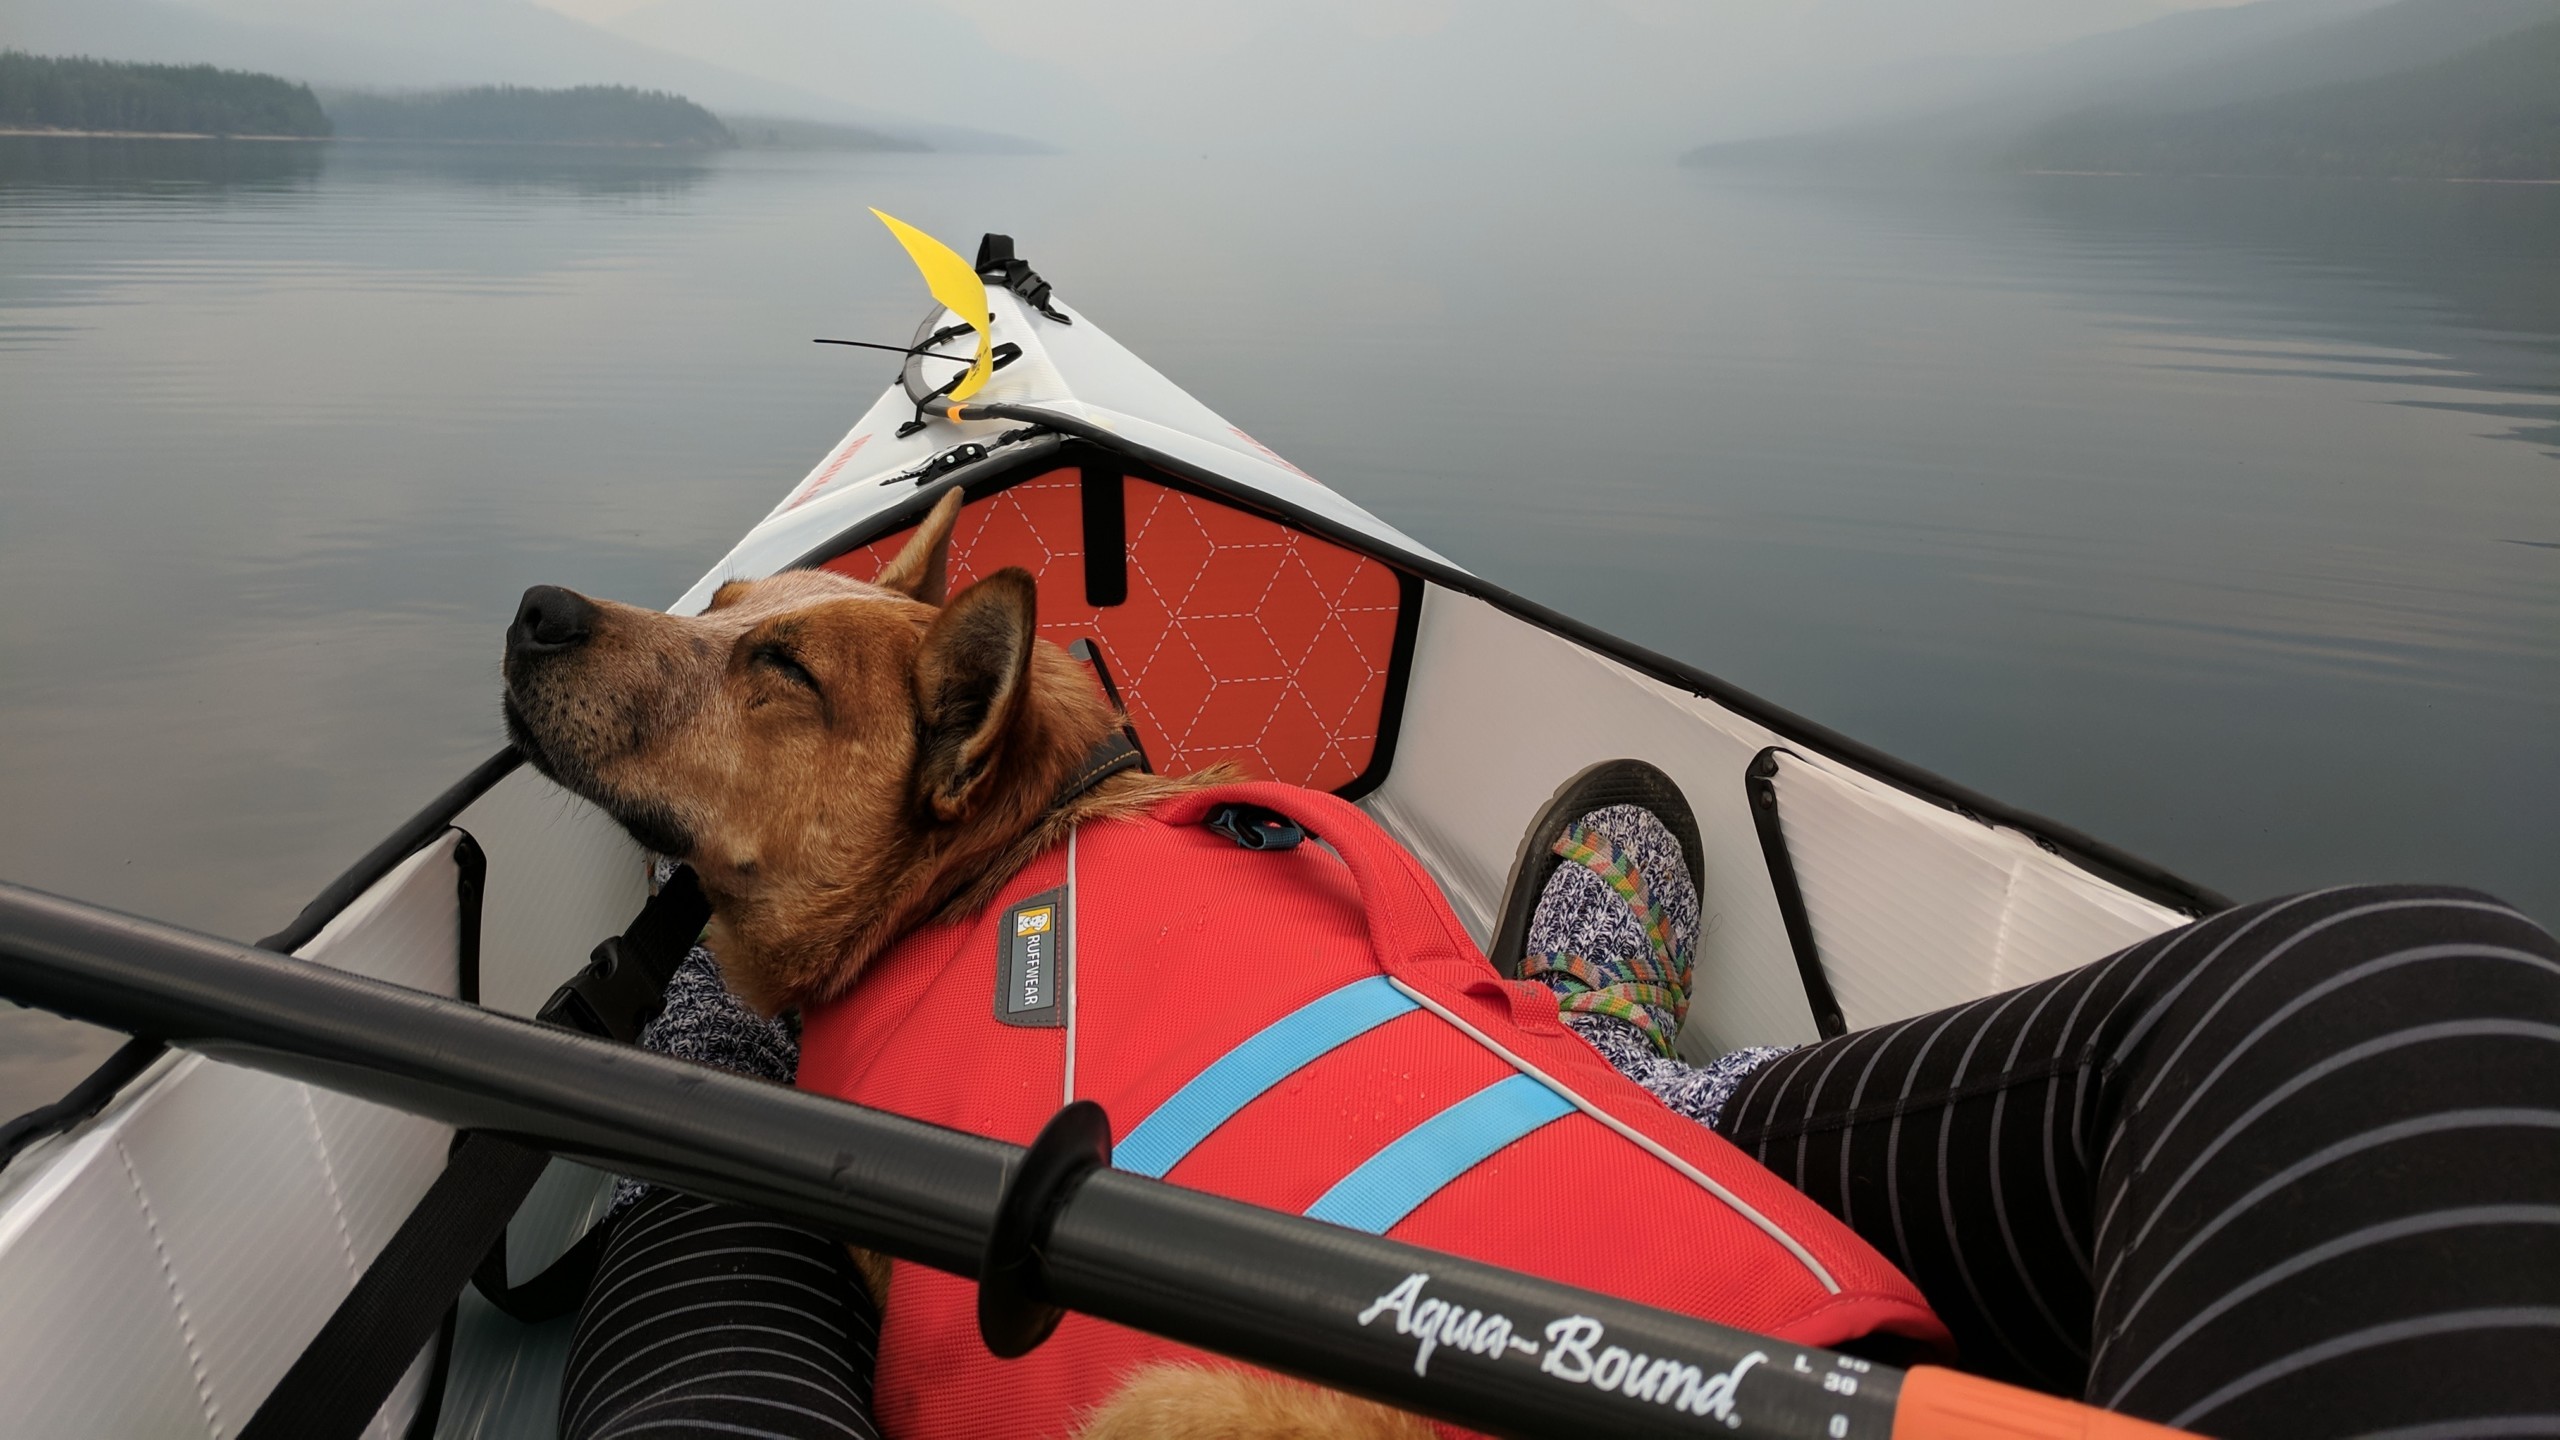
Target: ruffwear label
[(1031, 956)]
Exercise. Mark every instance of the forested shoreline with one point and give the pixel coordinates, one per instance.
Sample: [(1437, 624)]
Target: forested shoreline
[(509, 114), (80, 96), (45, 93)]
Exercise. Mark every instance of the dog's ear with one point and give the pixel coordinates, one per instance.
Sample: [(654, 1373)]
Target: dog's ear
[(972, 679), (920, 572)]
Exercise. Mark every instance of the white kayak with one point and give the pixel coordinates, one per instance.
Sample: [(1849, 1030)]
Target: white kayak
[(174, 1234)]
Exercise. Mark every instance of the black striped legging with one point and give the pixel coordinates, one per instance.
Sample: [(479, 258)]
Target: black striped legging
[(708, 1320), (2292, 1171)]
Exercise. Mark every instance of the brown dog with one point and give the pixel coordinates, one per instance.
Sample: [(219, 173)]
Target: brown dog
[(839, 763)]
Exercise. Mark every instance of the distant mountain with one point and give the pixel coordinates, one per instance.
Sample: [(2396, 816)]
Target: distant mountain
[(781, 132), (1993, 93), (2490, 113), (427, 44), (38, 92), (2377, 42), (922, 61), (2194, 60), (511, 114)]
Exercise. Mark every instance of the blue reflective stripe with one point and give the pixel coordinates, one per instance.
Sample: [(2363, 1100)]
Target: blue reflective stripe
[(1389, 1184), (1279, 1048)]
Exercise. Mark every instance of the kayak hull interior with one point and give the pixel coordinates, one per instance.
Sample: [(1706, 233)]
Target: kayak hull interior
[(166, 1262)]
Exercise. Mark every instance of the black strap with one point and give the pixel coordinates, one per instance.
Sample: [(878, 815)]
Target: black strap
[(458, 1231), (1089, 650), (997, 262), (625, 983), (1116, 754), (553, 1293), (350, 1367)]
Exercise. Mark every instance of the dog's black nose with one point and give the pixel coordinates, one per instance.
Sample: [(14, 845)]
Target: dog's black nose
[(549, 619)]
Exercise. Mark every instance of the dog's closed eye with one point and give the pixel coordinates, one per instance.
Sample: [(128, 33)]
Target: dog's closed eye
[(782, 662)]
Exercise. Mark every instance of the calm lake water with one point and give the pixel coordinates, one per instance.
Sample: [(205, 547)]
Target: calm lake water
[(2220, 519)]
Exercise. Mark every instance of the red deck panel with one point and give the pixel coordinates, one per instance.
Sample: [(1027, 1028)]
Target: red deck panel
[(1242, 639)]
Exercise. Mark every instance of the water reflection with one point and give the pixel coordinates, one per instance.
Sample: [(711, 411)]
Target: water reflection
[(602, 170), (2478, 292), (94, 220), (101, 167)]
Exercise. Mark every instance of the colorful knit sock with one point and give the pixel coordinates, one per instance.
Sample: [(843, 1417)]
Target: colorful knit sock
[(1615, 936), (1617, 924)]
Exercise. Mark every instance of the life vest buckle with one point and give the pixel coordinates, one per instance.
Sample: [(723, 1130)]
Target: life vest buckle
[(1256, 828)]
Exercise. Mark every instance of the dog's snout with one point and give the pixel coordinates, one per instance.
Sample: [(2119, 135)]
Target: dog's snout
[(550, 619)]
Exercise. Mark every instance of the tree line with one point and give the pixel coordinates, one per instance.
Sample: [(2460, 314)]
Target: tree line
[(43, 93), (584, 115), (37, 92)]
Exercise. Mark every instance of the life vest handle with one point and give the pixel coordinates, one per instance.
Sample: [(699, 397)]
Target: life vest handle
[(1394, 891)]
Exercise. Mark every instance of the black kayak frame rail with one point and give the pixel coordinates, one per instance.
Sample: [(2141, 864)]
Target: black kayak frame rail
[(995, 468), (95, 1090), (1043, 1228)]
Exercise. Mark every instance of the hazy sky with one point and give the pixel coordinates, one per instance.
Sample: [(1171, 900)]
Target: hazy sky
[(1658, 73), (1170, 28), (1390, 77)]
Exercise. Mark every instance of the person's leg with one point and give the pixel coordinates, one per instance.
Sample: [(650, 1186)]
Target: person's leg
[(2290, 1171), (708, 1319), (2293, 1170)]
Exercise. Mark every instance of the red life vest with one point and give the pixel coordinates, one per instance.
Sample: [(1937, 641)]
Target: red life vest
[(1294, 1030)]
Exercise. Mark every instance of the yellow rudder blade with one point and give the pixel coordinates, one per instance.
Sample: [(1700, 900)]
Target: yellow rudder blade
[(957, 287)]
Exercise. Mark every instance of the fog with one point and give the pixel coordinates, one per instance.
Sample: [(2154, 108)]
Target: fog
[(1639, 77)]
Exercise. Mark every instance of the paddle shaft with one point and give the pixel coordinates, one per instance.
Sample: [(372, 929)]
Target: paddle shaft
[(1482, 1347)]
